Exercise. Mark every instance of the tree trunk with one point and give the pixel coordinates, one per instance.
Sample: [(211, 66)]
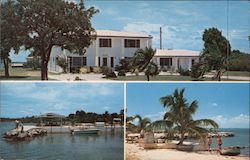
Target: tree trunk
[(6, 67), (44, 70), (148, 77), (181, 139)]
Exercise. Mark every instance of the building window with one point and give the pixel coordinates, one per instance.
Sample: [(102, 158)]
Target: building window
[(193, 61), (84, 61), (132, 43), (104, 61), (165, 61), (105, 42), (111, 62), (99, 61)]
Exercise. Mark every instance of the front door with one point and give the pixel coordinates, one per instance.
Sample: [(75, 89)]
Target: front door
[(105, 61), (111, 62)]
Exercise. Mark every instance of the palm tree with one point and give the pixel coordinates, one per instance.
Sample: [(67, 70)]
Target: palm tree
[(142, 58), (143, 123), (180, 114)]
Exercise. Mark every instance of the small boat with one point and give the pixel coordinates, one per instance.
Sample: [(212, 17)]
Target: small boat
[(234, 151), (86, 131)]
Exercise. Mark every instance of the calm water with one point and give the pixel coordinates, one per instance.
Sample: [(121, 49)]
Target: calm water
[(240, 139), (104, 146)]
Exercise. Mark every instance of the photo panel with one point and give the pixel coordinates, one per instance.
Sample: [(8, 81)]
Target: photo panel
[(62, 121), (167, 120)]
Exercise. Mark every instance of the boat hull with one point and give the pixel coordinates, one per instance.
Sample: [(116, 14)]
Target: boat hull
[(87, 131)]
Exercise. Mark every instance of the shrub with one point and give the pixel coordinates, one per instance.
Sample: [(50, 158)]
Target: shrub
[(62, 62), (96, 69), (122, 73), (183, 72), (34, 63), (110, 75), (77, 78), (106, 70), (84, 70)]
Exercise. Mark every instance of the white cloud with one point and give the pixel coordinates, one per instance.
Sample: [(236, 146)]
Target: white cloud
[(214, 104), (106, 108), (240, 121), (155, 116)]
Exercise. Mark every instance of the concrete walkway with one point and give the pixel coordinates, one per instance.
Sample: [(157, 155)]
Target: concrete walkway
[(83, 77), (240, 78)]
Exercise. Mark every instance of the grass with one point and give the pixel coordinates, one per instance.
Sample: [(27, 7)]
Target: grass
[(160, 78), (237, 73), (21, 74)]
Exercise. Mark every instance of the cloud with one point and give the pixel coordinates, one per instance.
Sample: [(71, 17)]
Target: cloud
[(239, 121), (106, 108), (213, 104), (175, 37), (155, 116)]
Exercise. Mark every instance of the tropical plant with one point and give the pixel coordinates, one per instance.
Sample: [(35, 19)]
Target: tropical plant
[(151, 70), (143, 123), (142, 58), (180, 113)]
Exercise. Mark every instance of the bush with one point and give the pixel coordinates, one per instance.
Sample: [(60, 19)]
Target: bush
[(183, 72), (106, 70), (96, 69), (78, 78), (110, 75), (34, 63), (122, 73), (85, 70), (62, 62)]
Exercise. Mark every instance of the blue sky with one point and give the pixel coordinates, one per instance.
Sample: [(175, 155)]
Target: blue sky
[(183, 22), (27, 99), (227, 104)]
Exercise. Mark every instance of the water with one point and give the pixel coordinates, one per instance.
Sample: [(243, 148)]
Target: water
[(240, 139), (104, 146)]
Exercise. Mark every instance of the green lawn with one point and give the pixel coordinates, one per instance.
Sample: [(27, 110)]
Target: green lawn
[(21, 74), (159, 78), (238, 73)]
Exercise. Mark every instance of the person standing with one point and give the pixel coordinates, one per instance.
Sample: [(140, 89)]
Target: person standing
[(219, 141), (209, 142)]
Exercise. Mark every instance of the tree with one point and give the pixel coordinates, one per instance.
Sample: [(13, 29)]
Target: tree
[(56, 23), (11, 32), (143, 123), (142, 58), (216, 51), (151, 70), (181, 115)]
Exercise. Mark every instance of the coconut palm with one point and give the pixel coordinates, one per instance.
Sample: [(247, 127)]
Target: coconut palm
[(143, 123), (181, 115), (142, 58)]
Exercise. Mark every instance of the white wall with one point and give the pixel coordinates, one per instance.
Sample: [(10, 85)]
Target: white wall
[(118, 51)]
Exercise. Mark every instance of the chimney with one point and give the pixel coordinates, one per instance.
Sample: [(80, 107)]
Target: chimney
[(160, 38)]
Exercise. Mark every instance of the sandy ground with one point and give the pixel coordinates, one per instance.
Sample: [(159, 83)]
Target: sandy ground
[(134, 152)]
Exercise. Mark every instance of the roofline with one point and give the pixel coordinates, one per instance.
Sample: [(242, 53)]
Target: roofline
[(124, 36), (174, 56)]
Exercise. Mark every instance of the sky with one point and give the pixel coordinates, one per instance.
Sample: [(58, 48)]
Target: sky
[(226, 103), (182, 22), (27, 99)]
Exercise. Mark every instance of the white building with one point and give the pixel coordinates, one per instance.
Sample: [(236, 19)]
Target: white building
[(174, 59), (111, 46), (107, 50)]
